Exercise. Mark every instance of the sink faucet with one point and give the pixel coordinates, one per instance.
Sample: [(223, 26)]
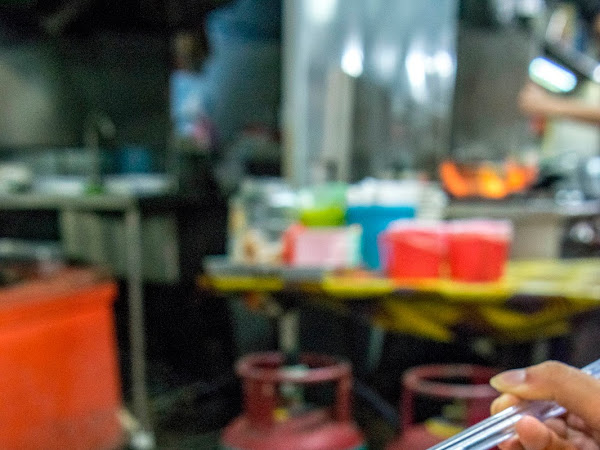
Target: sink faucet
[(99, 128)]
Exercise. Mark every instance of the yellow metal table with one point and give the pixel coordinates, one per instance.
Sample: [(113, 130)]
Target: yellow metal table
[(535, 300)]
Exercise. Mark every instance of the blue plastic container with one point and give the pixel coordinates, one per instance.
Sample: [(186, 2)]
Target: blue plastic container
[(375, 219), (135, 159)]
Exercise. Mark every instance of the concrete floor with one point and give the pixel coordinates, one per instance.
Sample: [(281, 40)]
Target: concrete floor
[(179, 441), (181, 432)]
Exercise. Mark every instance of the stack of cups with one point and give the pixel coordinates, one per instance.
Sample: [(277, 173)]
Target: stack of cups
[(465, 250)]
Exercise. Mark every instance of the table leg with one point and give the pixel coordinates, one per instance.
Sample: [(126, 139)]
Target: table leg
[(375, 350), (289, 329), (143, 439)]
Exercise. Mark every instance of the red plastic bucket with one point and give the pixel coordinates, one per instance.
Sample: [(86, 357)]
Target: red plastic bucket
[(413, 249), (478, 250), (59, 378)]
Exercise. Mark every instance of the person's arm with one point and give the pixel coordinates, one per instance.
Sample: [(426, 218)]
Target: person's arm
[(534, 101), (576, 391)]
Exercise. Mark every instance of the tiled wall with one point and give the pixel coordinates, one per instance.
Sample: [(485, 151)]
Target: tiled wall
[(50, 87)]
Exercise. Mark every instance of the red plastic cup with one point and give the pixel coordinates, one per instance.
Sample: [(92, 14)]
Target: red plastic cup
[(413, 249), (478, 249)]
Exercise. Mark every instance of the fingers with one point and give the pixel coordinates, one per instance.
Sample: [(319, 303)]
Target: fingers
[(576, 391), (559, 426), (511, 444), (576, 423), (581, 438), (534, 435), (503, 402)]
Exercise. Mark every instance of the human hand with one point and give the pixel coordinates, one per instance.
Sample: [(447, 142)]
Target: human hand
[(577, 392), (596, 24), (533, 100)]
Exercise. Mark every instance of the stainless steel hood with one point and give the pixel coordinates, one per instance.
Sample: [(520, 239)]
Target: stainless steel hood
[(368, 86)]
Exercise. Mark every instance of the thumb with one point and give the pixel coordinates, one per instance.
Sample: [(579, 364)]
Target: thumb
[(577, 392)]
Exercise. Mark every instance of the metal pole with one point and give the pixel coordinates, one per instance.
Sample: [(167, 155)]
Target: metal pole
[(289, 335), (144, 438)]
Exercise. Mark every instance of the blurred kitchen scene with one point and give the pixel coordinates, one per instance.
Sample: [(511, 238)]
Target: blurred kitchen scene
[(360, 188)]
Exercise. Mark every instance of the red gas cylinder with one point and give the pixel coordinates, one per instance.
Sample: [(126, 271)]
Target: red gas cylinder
[(471, 399), (267, 424)]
